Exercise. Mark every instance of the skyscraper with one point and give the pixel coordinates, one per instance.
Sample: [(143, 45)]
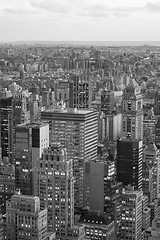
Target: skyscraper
[(31, 139), (55, 187), (132, 110), (129, 162), (77, 131)]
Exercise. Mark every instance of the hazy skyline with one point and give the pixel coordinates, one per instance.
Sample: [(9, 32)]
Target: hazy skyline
[(79, 20)]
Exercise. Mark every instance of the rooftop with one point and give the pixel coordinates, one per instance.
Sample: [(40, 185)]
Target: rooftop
[(72, 111)]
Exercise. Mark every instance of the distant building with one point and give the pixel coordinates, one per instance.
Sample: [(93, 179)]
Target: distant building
[(24, 219), (129, 162), (80, 91)]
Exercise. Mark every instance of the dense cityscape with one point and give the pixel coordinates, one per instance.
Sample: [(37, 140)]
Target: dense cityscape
[(79, 142)]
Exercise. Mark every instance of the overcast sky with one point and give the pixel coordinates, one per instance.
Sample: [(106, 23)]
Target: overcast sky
[(80, 20)]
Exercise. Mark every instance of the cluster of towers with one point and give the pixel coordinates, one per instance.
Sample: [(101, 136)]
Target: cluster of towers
[(71, 187)]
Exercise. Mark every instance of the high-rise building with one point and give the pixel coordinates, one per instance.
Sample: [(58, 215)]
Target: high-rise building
[(24, 219), (157, 133), (132, 110), (147, 181), (31, 139), (7, 184), (101, 190), (55, 187), (80, 91), (129, 162), (95, 175), (152, 157), (77, 131), (131, 215), (6, 127)]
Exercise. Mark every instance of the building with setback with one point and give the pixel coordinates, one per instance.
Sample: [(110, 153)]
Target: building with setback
[(55, 187), (77, 131)]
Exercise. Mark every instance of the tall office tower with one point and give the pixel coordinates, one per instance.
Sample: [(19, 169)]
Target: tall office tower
[(6, 127), (80, 91), (129, 162), (24, 219), (55, 187), (132, 110), (7, 184), (77, 131), (147, 181), (131, 215), (101, 190), (152, 157), (157, 133), (31, 139)]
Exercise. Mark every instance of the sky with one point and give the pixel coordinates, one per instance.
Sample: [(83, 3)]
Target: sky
[(79, 20)]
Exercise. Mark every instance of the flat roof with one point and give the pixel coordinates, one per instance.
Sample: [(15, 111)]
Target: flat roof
[(72, 111)]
